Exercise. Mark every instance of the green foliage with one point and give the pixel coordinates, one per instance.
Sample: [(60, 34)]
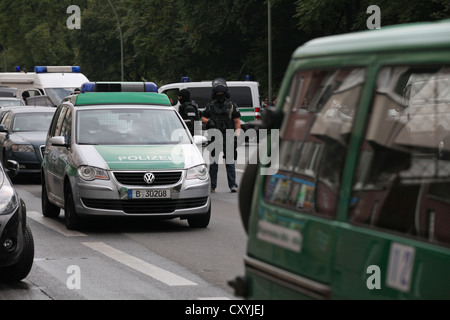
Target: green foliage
[(164, 40)]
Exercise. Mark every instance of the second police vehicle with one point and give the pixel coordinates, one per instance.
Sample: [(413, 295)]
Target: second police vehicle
[(121, 149), (56, 82)]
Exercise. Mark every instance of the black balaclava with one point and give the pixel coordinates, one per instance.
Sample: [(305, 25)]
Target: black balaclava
[(220, 97), (185, 96)]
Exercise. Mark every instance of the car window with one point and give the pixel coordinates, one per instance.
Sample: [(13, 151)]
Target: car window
[(315, 137), (6, 119), (403, 176), (32, 121), (60, 120), (66, 128), (11, 102), (130, 126)]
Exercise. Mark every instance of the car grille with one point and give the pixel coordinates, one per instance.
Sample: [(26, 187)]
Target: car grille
[(145, 206), (137, 178), (42, 149)]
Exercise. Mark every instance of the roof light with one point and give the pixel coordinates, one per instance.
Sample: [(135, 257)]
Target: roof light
[(17, 69), (185, 79), (150, 87), (57, 69), (247, 77), (119, 87)]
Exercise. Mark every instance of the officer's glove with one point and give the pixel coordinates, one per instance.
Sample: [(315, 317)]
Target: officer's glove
[(210, 124)]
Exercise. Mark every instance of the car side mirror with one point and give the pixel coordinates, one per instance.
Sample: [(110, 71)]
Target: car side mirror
[(58, 141), (201, 140), (3, 128), (12, 168)]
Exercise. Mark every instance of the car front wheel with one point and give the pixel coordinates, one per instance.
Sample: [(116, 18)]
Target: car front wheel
[(70, 214), (22, 268), (49, 210), (200, 221)]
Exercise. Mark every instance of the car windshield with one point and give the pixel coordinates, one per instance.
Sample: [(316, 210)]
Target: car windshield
[(35, 121), (11, 102), (130, 126), (58, 94)]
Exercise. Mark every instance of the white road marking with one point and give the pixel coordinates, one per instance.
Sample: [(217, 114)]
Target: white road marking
[(54, 224), (155, 272)]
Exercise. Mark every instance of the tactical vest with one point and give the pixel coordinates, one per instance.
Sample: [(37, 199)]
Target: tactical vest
[(191, 113), (223, 116)]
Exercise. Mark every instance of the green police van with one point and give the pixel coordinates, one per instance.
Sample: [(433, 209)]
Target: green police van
[(360, 205)]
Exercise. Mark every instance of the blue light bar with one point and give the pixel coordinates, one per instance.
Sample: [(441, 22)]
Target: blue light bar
[(57, 69), (17, 69), (119, 87), (40, 69), (185, 79), (88, 87), (247, 77), (150, 87)]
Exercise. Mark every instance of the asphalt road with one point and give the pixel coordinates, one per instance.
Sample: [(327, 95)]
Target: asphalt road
[(133, 259)]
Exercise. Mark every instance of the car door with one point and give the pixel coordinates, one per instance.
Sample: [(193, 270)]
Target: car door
[(56, 156)]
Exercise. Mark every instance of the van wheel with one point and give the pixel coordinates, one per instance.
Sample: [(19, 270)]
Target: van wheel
[(22, 268), (49, 210), (246, 193), (71, 218), (200, 221)]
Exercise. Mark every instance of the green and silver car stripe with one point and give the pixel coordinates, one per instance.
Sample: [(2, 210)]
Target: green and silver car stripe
[(142, 157)]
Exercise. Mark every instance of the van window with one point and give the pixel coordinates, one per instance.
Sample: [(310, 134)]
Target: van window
[(403, 177), (320, 112), (241, 95)]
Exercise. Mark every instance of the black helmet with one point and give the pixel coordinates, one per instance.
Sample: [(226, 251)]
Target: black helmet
[(219, 85)]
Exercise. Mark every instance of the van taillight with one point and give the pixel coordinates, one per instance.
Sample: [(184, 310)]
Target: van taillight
[(257, 113)]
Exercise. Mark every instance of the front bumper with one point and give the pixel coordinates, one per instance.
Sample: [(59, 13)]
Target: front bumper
[(29, 162), (111, 198), (11, 231)]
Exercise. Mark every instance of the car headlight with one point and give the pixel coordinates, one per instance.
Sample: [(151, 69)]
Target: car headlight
[(199, 172), (23, 148), (8, 200), (91, 173)]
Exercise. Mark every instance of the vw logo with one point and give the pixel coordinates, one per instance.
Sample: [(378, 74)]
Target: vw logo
[(149, 178)]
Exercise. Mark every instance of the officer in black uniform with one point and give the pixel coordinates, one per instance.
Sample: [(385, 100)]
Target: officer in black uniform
[(222, 114), (188, 109)]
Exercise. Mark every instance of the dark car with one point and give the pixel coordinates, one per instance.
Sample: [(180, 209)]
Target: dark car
[(16, 239), (22, 136)]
